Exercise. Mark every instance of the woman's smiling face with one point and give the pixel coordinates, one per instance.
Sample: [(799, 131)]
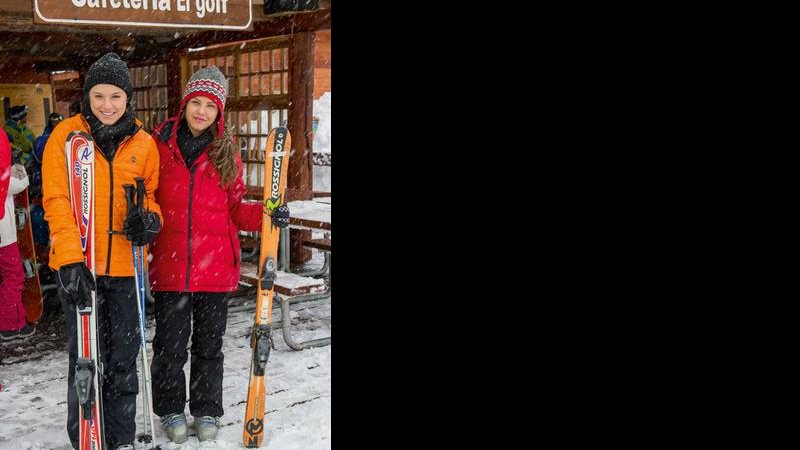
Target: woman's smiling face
[(108, 103), (201, 112)]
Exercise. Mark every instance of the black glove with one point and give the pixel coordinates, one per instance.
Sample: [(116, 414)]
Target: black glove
[(280, 217), (141, 227), (75, 283)]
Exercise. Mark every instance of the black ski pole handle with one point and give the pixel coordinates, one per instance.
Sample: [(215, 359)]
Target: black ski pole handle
[(140, 191), (129, 195)]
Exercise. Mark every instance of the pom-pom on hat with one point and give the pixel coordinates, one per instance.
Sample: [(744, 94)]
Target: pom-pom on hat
[(211, 83)]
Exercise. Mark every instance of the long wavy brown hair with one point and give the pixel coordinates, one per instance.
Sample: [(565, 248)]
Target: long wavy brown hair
[(222, 154)]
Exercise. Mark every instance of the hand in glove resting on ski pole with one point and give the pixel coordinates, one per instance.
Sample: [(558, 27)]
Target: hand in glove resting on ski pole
[(141, 227), (75, 283)]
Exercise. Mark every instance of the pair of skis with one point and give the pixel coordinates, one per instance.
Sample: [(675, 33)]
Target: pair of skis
[(88, 368), (276, 169)]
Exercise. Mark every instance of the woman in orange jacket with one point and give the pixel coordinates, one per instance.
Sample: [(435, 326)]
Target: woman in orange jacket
[(123, 151)]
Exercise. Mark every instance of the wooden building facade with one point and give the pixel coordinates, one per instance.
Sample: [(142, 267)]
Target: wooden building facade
[(276, 68)]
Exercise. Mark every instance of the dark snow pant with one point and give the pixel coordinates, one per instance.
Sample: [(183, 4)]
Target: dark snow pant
[(203, 315), (118, 330)]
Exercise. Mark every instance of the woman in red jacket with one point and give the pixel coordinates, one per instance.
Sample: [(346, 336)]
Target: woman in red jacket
[(196, 256)]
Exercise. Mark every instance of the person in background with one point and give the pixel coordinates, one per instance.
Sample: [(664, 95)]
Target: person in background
[(20, 136), (38, 148), (13, 180), (120, 143), (41, 233), (195, 262), (74, 108)]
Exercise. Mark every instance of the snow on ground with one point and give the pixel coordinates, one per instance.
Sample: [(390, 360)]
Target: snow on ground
[(322, 136), (33, 406)]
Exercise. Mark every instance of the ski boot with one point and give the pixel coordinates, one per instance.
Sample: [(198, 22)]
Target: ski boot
[(206, 428), (175, 427)]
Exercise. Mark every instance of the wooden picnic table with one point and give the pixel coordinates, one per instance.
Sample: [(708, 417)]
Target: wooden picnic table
[(310, 214)]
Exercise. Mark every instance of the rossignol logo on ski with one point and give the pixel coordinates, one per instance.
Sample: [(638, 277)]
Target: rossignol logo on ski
[(85, 194), (81, 161), (274, 200)]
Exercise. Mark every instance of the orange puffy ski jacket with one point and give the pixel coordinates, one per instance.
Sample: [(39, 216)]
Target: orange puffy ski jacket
[(136, 156)]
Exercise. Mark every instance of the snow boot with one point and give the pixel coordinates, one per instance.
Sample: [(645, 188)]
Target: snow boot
[(24, 332), (27, 331)]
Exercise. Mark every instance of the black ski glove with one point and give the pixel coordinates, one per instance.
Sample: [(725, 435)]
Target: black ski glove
[(141, 227), (75, 283), (280, 217)]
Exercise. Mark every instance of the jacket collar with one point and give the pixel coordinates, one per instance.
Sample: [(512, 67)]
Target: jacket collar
[(167, 133)]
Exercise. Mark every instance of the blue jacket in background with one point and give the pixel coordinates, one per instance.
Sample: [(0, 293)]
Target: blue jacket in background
[(38, 147)]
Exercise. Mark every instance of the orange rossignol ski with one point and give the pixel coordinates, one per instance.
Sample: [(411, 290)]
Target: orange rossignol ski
[(277, 166), (80, 175)]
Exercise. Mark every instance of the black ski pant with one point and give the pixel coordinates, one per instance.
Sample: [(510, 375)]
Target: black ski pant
[(203, 315), (118, 342)]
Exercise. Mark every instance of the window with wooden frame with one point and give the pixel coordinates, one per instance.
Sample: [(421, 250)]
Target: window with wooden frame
[(258, 97), (150, 94)]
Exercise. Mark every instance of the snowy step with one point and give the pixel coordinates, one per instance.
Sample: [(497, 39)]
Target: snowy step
[(286, 283)]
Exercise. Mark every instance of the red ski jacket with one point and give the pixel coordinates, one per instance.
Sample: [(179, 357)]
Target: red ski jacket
[(197, 249)]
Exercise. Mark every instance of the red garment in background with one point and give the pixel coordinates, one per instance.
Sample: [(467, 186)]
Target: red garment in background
[(12, 281), (5, 169)]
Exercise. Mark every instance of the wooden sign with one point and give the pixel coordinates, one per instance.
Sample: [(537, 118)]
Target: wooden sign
[(215, 14)]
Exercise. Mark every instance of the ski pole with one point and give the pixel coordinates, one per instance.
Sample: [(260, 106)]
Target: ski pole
[(137, 251)]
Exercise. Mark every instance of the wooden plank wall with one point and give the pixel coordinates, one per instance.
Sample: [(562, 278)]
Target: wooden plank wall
[(12, 73), (322, 62)]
